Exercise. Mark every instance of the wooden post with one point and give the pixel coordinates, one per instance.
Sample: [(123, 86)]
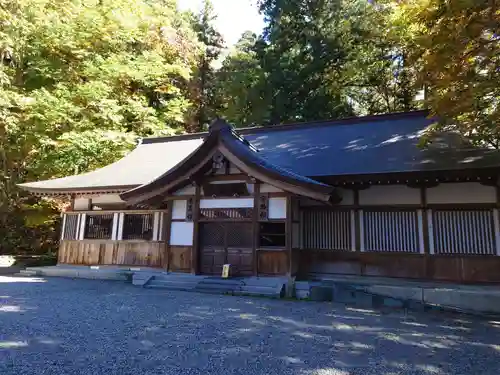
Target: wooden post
[(255, 225), (166, 230), (357, 228), (288, 243), (195, 252), (425, 232)]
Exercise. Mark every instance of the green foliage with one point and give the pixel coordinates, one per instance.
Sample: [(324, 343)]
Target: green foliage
[(207, 103), (80, 80), (317, 60), (455, 48)]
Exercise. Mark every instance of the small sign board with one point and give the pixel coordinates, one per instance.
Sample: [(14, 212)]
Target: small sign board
[(225, 270)]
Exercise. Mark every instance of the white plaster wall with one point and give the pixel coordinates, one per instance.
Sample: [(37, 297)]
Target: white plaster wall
[(466, 192), (390, 194), (179, 209), (187, 190), (277, 208), (107, 199), (81, 204), (251, 188), (181, 233), (226, 203), (266, 188)]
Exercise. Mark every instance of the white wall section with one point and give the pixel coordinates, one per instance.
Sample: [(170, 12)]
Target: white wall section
[(179, 209), (466, 192), (226, 203), (390, 194), (277, 208), (81, 204), (266, 188), (181, 234), (187, 190), (107, 199)]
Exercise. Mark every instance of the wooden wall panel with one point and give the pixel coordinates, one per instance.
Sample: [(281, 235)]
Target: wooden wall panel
[(125, 253), (316, 264), (272, 262), (180, 259)]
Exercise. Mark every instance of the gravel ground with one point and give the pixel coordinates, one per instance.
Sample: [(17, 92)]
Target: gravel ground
[(62, 326)]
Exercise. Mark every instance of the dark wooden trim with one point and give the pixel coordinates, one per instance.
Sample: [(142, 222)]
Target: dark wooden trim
[(425, 231), (167, 223), (497, 189), (179, 220), (462, 206), (228, 177), (400, 207), (179, 197), (72, 203), (414, 178), (278, 194), (225, 220), (357, 223), (288, 234), (255, 225), (196, 230)]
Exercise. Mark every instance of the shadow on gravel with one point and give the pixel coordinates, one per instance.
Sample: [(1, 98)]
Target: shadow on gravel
[(99, 327)]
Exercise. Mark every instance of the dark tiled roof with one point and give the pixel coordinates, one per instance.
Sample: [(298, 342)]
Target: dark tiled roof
[(359, 146)]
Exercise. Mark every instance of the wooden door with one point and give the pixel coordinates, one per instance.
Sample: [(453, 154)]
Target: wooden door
[(226, 242)]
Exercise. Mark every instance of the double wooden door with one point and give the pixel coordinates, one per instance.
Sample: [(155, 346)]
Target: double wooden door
[(226, 243)]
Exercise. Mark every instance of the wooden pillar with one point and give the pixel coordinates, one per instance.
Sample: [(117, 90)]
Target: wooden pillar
[(357, 231), (289, 234), (255, 225), (167, 227), (195, 252), (426, 234), (497, 220)]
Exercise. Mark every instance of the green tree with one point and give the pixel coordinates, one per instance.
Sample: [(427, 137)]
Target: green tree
[(80, 80), (455, 48), (238, 83), (318, 60), (206, 101)]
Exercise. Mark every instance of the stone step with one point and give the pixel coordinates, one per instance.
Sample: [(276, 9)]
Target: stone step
[(274, 292)]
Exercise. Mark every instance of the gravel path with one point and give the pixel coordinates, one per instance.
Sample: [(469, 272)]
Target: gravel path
[(62, 326)]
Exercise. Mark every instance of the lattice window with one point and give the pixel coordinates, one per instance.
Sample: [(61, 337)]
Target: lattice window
[(70, 231), (212, 235), (98, 226), (464, 232), (226, 213), (395, 231), (138, 227), (239, 235), (327, 229)]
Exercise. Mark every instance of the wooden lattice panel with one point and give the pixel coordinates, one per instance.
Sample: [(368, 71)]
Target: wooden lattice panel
[(226, 213)]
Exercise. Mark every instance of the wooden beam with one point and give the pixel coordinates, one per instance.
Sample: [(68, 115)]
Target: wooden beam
[(196, 230), (255, 225), (228, 177)]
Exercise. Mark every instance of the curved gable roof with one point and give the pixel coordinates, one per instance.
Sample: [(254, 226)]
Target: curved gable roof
[(223, 139)]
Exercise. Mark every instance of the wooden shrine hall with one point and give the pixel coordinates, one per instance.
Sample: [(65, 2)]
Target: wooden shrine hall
[(310, 200)]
